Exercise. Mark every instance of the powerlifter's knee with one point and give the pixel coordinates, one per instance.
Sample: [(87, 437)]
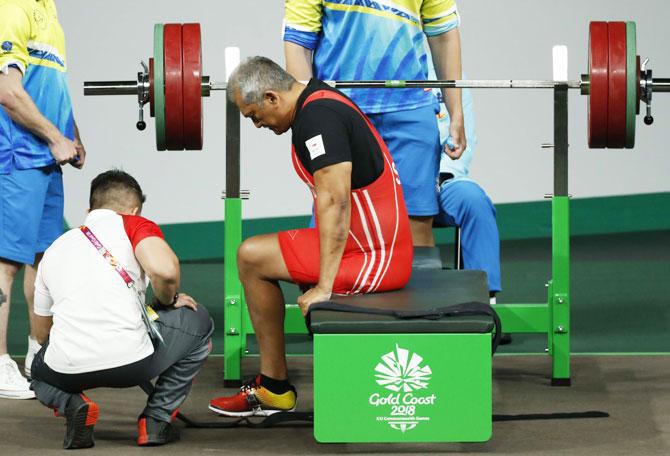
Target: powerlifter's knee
[(248, 254), (254, 255)]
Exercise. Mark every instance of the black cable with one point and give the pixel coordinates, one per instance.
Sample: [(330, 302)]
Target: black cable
[(275, 418), (308, 417), (551, 416)]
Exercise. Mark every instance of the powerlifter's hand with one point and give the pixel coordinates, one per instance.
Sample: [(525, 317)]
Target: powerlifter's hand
[(63, 150), (78, 161), (312, 295), (458, 141), (184, 300)]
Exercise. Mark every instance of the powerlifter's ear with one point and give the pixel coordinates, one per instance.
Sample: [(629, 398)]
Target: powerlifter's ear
[(271, 97)]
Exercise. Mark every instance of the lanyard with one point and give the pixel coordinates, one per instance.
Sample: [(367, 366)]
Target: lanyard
[(107, 255), (148, 314)]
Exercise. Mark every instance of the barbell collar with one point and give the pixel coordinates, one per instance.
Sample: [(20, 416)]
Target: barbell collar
[(205, 86), (585, 87)]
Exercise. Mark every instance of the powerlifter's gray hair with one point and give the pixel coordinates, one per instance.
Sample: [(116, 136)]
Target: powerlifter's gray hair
[(256, 75)]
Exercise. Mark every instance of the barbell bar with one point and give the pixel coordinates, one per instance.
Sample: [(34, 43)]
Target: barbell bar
[(173, 85)]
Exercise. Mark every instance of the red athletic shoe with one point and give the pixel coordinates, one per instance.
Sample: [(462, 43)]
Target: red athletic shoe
[(152, 432), (81, 414), (254, 400)]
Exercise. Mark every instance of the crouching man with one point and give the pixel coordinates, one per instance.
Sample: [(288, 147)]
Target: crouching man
[(88, 294)]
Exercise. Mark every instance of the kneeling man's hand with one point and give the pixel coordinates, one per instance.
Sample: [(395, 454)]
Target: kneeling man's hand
[(184, 300), (312, 295)]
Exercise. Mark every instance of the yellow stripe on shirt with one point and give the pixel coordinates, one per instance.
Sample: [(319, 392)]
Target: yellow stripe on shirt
[(304, 15), (372, 11)]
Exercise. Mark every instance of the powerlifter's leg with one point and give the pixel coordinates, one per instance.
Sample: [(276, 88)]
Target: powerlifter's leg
[(261, 266)]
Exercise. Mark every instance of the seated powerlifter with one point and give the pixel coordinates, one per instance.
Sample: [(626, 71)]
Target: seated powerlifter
[(91, 322), (361, 243)]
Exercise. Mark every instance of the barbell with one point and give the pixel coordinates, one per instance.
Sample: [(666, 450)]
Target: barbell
[(173, 85)]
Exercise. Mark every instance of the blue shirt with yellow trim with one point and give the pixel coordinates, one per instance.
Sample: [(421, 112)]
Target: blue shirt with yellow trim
[(32, 40), (371, 39)]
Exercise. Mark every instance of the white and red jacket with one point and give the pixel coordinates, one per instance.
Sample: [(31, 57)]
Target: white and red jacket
[(96, 320)]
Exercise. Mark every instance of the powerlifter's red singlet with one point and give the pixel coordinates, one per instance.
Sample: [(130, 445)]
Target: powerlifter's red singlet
[(378, 252)]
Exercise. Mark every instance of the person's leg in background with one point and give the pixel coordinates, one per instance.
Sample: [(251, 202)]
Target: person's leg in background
[(413, 139), (29, 275), (464, 203), (12, 383), (23, 196), (50, 229)]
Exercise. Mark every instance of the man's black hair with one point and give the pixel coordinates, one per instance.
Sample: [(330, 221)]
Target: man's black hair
[(113, 187)]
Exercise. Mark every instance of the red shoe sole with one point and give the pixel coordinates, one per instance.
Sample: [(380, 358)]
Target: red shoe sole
[(93, 412)]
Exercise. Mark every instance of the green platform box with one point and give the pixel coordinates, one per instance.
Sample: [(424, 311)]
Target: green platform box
[(402, 387)]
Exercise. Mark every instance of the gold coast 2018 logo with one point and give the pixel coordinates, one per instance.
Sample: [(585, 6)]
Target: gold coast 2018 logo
[(401, 373)]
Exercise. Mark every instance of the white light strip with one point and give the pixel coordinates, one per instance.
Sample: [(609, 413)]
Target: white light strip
[(232, 59), (560, 55)]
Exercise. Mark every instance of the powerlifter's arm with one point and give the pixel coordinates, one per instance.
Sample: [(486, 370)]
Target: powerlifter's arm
[(21, 109), (298, 61), (332, 185), (446, 51)]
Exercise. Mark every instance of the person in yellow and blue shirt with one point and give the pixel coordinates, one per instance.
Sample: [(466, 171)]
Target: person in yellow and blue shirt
[(37, 135), (386, 39)]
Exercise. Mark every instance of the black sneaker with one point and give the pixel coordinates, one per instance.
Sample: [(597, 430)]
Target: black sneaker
[(152, 432), (81, 414)]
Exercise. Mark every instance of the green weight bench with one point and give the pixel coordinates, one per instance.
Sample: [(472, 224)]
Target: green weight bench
[(378, 378)]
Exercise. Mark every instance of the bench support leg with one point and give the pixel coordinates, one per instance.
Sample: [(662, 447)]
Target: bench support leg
[(559, 298), (235, 335)]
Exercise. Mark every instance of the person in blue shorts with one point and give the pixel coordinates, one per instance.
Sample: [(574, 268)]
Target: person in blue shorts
[(351, 40), (37, 135)]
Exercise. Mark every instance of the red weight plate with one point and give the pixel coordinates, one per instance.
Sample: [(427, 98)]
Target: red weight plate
[(637, 85), (598, 77), (617, 87), (151, 88), (174, 102), (192, 80)]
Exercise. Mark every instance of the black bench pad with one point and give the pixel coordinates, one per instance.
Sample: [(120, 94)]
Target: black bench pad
[(427, 289)]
